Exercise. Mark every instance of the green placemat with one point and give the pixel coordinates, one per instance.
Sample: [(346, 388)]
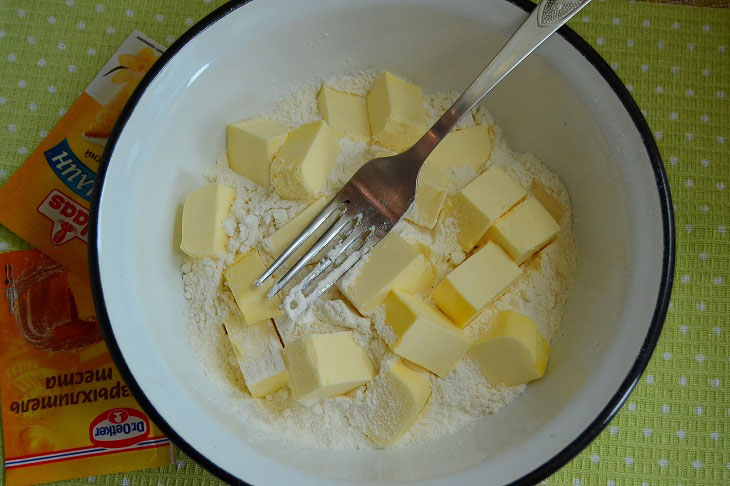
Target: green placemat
[(675, 428)]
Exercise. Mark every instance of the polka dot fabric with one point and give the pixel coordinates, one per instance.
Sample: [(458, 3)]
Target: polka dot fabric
[(675, 427)]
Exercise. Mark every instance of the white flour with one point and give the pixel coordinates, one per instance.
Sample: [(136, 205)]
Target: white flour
[(458, 399)]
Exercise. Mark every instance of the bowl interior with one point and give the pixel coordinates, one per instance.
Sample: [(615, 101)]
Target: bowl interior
[(555, 105)]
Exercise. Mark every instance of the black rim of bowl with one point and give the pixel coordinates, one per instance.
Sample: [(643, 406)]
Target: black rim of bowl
[(603, 417)]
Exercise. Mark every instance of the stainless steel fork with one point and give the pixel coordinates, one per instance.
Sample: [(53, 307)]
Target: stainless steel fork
[(383, 190)]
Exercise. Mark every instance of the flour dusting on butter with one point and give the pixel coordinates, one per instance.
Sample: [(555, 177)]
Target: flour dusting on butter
[(458, 399)]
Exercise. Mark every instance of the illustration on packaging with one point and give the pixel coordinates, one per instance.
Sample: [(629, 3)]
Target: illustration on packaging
[(54, 310), (128, 74)]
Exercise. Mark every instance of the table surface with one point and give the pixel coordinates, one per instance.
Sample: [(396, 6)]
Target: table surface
[(675, 427)]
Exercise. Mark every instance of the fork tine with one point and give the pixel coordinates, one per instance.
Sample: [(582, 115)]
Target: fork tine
[(323, 241), (344, 267), (333, 206), (350, 237)]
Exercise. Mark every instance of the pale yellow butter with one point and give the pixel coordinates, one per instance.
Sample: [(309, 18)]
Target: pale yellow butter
[(377, 152), (424, 335), (399, 393), (512, 352), (258, 352), (396, 111), (325, 365), (202, 221), (547, 200), (475, 283), (524, 230), (281, 238), (431, 191), (303, 164), (469, 146), (252, 301), (478, 205), (392, 264), (346, 114), (252, 145)]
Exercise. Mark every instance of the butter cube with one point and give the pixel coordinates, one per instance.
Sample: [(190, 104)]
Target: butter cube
[(281, 238), (547, 200), (478, 205), (396, 111), (252, 301), (512, 352), (431, 191), (83, 299), (395, 398), (258, 353), (475, 283), (392, 264), (469, 146), (377, 152), (202, 221), (525, 230), (303, 164), (424, 335), (325, 365), (345, 113), (252, 145)]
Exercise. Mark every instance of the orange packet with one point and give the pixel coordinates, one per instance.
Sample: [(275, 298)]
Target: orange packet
[(66, 411), (47, 200)]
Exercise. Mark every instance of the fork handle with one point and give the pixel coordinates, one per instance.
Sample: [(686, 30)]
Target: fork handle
[(545, 19)]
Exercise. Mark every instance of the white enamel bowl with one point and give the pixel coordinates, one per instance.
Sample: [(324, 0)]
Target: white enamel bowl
[(563, 104)]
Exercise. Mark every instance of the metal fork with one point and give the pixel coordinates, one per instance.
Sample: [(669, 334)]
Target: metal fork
[(382, 191)]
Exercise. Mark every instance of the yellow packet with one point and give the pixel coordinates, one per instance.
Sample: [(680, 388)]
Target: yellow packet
[(47, 200), (66, 411)]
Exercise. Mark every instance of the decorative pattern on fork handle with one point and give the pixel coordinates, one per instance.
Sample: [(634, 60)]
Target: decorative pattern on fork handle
[(551, 11)]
